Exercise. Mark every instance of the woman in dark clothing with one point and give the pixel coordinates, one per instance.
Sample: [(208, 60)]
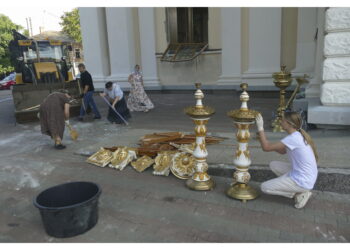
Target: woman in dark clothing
[(115, 96), (54, 113)]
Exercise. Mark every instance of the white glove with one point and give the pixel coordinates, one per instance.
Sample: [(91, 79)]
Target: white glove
[(67, 122), (259, 122)]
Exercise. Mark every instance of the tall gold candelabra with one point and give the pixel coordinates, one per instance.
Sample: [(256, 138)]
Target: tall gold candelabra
[(200, 114), (282, 80), (242, 118)]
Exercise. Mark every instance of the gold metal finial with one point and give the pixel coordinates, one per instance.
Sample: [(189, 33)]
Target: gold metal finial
[(244, 114), (199, 110), (244, 86), (283, 68), (198, 85)]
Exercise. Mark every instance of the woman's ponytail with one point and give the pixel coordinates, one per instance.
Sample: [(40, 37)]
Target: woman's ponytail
[(294, 119)]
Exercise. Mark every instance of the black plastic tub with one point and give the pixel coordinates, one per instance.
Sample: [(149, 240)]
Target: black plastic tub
[(69, 209)]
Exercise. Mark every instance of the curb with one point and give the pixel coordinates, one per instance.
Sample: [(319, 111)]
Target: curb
[(331, 180), (335, 180)]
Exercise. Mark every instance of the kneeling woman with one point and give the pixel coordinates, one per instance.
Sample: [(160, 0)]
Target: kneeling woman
[(54, 112), (297, 178), (115, 96)]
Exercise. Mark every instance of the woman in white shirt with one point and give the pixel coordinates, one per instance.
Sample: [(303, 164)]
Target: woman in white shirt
[(115, 96), (297, 178)]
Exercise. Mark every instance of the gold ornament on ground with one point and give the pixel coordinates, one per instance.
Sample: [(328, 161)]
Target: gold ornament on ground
[(163, 161), (122, 157), (183, 165), (142, 163), (101, 158)]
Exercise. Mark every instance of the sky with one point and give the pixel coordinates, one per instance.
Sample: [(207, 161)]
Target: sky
[(47, 14), (47, 17)]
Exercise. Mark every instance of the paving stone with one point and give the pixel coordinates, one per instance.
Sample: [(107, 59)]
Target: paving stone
[(140, 207)]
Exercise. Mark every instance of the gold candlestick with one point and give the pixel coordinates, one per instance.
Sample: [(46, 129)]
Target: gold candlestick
[(200, 114), (282, 80), (242, 118)]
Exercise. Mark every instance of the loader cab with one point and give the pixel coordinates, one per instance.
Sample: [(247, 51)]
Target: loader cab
[(43, 61)]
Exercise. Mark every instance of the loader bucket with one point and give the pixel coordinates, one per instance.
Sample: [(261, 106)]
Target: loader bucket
[(27, 98)]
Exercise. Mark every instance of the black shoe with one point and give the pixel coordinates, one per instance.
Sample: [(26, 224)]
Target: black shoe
[(80, 119), (97, 117), (59, 146)]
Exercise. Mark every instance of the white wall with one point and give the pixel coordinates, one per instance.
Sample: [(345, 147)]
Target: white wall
[(205, 69), (94, 35)]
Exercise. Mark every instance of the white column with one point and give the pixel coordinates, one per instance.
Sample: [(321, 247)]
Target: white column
[(264, 45), (148, 47), (231, 46), (306, 44), (121, 44), (336, 67), (313, 88), (94, 37)]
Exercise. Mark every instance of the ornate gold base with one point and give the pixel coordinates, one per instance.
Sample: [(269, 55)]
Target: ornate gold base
[(278, 128), (200, 185), (276, 125), (273, 123), (242, 192)]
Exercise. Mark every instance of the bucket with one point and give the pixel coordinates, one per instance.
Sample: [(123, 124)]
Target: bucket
[(69, 209)]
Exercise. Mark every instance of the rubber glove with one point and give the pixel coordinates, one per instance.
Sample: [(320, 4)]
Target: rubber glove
[(259, 122)]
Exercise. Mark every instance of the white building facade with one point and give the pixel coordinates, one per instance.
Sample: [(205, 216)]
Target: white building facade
[(244, 45)]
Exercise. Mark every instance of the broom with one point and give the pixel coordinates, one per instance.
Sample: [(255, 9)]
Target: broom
[(72, 132)]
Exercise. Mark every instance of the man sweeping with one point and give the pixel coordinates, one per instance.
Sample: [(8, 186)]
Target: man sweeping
[(118, 111), (88, 93), (54, 114)]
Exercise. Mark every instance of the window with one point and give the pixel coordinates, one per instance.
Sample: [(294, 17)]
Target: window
[(77, 53), (187, 33), (187, 25)]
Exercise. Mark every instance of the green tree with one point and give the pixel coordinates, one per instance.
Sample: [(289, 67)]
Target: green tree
[(26, 33), (71, 24), (6, 26)]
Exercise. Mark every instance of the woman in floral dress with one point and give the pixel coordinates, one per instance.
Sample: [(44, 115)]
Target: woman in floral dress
[(138, 99)]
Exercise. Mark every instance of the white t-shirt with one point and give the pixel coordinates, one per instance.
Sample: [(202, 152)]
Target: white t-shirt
[(302, 157), (114, 92)]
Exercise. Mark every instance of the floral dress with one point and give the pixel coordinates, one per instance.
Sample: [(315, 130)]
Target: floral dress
[(138, 99)]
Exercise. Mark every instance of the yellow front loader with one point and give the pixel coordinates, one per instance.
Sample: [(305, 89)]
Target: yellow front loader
[(42, 67)]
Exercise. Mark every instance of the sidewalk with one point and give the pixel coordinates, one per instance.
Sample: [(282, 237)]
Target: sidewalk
[(140, 207)]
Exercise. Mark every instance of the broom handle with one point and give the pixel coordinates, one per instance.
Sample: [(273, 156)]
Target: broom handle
[(30, 108), (82, 99), (104, 98), (69, 126)]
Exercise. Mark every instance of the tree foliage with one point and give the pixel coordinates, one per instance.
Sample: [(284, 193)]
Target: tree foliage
[(71, 24), (6, 26)]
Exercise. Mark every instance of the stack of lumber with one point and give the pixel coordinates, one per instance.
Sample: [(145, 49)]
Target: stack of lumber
[(151, 144)]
